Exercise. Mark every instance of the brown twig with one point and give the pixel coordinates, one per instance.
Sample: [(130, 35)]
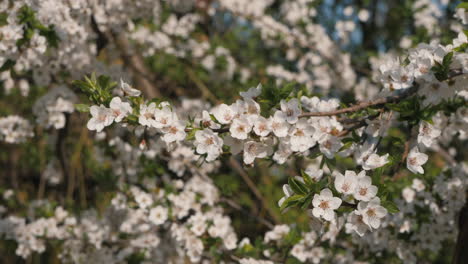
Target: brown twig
[(238, 207), (363, 105), (42, 161), (206, 93), (75, 163), (238, 168), (144, 78), (378, 102), (216, 130)]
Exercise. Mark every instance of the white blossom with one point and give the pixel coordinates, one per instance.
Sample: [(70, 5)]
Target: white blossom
[(372, 212), (119, 109), (101, 117), (240, 128), (291, 110), (253, 149), (208, 142), (128, 90), (364, 190), (415, 160), (325, 204), (158, 215)]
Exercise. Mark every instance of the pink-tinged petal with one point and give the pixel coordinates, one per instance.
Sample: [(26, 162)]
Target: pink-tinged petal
[(362, 174), (339, 179), (372, 191), (328, 215), (365, 181), (94, 110), (381, 211), (316, 201), (326, 193), (91, 125), (317, 212), (362, 205), (335, 203), (374, 222), (422, 158), (419, 169)]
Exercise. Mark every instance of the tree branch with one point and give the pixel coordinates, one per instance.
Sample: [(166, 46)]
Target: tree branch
[(363, 105), (378, 102), (238, 168)]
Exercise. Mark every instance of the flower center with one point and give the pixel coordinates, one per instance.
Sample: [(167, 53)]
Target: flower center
[(252, 109), (262, 127), (371, 212), (206, 123), (173, 130), (423, 70), (149, 115), (363, 191), (102, 118), (209, 141), (299, 133), (324, 205), (252, 148), (227, 117), (345, 187)]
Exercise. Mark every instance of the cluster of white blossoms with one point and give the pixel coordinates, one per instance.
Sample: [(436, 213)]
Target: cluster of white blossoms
[(394, 76), (293, 128), (51, 108), (142, 217), (162, 219), (15, 129)]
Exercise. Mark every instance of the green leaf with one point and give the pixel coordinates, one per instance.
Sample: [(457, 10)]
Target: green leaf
[(83, 108), (297, 186), (191, 134), (347, 145), (3, 19), (132, 119), (306, 178), (306, 201), (213, 118), (291, 201), (447, 59), (390, 206), (462, 47), (331, 163), (7, 65)]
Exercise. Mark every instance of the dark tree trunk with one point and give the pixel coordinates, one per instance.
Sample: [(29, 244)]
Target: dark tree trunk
[(461, 250)]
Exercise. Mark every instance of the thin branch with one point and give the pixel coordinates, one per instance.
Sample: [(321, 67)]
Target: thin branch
[(238, 207), (363, 105), (143, 77), (448, 158), (238, 168), (378, 102), (216, 130), (137, 65), (201, 86)]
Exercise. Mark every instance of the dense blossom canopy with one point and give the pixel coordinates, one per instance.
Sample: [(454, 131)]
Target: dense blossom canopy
[(233, 131)]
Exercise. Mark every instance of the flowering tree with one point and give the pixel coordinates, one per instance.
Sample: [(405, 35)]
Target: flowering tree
[(233, 131)]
